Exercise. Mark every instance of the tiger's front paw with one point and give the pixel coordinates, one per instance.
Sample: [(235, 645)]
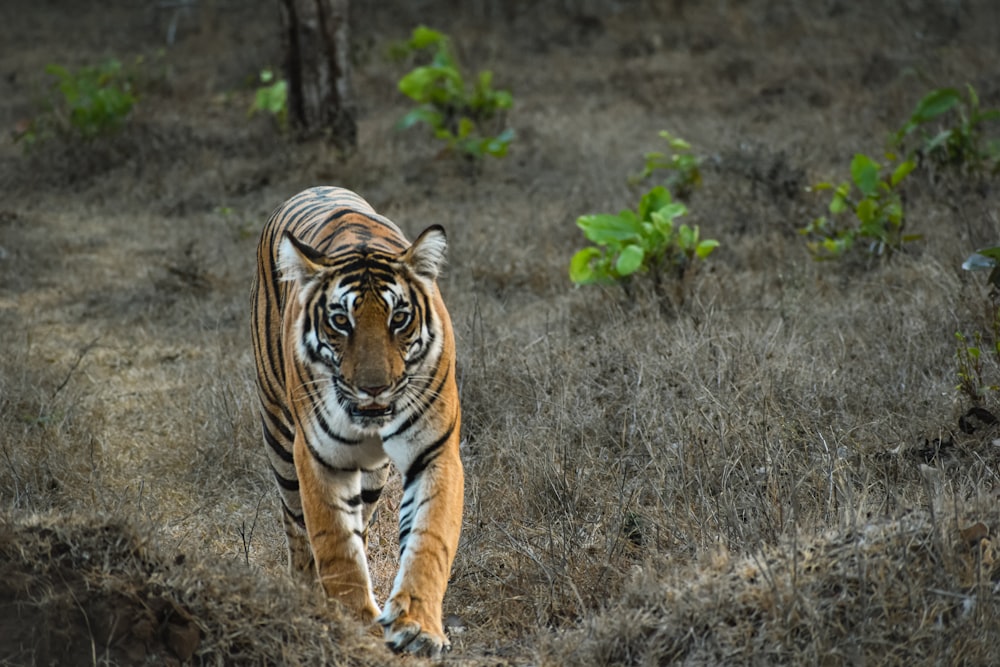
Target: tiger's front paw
[(409, 628)]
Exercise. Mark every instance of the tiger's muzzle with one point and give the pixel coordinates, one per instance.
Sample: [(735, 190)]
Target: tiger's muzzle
[(373, 406), (371, 410)]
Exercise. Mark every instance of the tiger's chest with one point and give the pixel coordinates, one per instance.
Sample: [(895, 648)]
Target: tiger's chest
[(345, 453)]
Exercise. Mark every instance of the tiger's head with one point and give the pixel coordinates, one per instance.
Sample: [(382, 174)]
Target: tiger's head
[(368, 324)]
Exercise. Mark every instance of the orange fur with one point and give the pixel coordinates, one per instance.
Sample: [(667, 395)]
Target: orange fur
[(355, 368)]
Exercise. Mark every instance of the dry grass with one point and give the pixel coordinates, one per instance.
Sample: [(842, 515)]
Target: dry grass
[(92, 590), (769, 472), (915, 590)]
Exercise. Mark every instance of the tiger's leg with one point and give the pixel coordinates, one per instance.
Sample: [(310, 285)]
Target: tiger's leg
[(279, 443), (300, 555), (372, 483), (430, 520), (331, 503)]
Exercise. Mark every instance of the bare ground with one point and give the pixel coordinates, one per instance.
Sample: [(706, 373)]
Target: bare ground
[(770, 472)]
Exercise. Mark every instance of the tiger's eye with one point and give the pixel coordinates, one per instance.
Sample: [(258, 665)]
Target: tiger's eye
[(399, 319), (341, 321)]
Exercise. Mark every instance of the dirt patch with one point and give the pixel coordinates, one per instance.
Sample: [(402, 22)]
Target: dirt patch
[(66, 604), (76, 589)]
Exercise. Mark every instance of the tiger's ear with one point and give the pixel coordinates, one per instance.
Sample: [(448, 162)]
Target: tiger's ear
[(296, 260), (426, 255)]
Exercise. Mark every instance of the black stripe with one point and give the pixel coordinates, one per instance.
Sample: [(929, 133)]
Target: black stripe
[(279, 449), (328, 430), (371, 278), (287, 433), (422, 410), (287, 484), (422, 313), (271, 348), (297, 518), (378, 220), (323, 462), (405, 525), (326, 464), (425, 458), (369, 496), (362, 265), (339, 213), (293, 217), (312, 315), (359, 229), (424, 351), (353, 501)]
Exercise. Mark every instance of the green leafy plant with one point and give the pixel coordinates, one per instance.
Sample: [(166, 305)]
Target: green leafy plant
[(683, 167), (958, 144), (969, 353), (272, 98), (91, 101), (970, 359), (646, 240), (874, 214), (467, 118)]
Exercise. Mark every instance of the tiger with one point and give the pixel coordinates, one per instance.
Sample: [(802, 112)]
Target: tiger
[(355, 361)]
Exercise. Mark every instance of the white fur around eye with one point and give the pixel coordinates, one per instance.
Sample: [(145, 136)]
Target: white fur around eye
[(341, 322), (399, 319)]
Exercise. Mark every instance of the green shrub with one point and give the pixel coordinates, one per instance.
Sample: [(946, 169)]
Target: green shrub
[(99, 99), (682, 166), (874, 214), (272, 98), (646, 240), (970, 352), (971, 371), (959, 144), (90, 102), (468, 119)]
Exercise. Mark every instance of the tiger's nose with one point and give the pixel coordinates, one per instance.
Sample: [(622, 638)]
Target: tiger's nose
[(374, 391)]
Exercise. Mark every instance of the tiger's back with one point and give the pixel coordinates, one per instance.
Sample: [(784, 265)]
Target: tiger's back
[(356, 369)]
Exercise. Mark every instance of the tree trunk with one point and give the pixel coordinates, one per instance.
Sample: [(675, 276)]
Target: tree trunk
[(320, 100)]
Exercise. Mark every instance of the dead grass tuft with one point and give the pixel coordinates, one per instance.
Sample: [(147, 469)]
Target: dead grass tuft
[(916, 590), (73, 586)]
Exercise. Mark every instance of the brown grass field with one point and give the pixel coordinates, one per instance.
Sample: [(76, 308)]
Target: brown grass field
[(768, 470)]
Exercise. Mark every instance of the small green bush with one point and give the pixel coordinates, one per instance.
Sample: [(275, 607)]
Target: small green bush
[(468, 119), (93, 101), (971, 352), (874, 214), (960, 144), (971, 368), (682, 166), (646, 240), (272, 98)]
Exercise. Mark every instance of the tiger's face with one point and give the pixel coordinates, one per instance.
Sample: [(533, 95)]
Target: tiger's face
[(371, 339), (368, 325)]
